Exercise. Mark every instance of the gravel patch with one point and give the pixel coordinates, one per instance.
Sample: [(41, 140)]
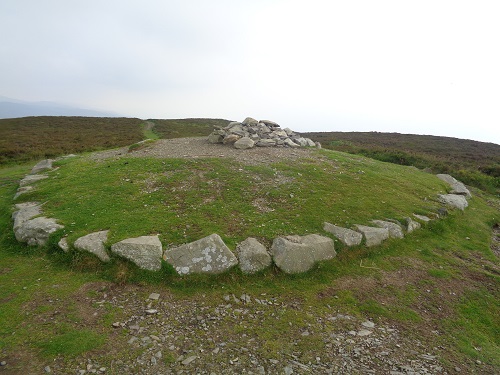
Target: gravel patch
[(198, 147)]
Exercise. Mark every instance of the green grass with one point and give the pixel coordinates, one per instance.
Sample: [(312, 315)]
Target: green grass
[(402, 283), (71, 343), (184, 200)]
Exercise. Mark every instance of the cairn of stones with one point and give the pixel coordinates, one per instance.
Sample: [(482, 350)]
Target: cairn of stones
[(263, 133)]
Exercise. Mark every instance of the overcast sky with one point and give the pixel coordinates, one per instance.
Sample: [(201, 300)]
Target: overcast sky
[(421, 67)]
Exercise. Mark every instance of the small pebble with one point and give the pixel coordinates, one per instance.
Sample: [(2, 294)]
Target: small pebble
[(154, 296)]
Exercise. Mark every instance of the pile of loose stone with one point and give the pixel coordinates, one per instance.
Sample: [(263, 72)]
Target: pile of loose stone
[(263, 133), (292, 254)]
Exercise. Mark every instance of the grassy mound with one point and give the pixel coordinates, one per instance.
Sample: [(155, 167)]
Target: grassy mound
[(438, 286), (184, 200)]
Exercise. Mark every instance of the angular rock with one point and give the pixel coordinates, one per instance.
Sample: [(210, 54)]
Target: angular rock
[(279, 134), (453, 200), (94, 243), (22, 190), (373, 236), (208, 255), (301, 142), (395, 230), (310, 142), (25, 211), (36, 231), (32, 178), (230, 139), (244, 143), (41, 166), (145, 251), (423, 218), (266, 143), (291, 143), (348, 237), (215, 138), (271, 124), (253, 256), (412, 225), (250, 121), (63, 244), (295, 254), (456, 186)]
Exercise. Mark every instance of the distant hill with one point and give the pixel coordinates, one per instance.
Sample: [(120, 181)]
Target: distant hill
[(475, 163), (13, 108)]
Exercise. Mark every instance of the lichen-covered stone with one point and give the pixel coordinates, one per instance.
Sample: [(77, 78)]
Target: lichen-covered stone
[(94, 244), (145, 251), (296, 254), (373, 236), (395, 230), (207, 255), (347, 236), (253, 256)]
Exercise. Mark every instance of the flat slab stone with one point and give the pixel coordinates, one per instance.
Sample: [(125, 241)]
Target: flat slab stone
[(395, 230), (25, 211), (456, 186), (36, 231), (373, 236), (94, 243), (41, 166), (63, 244), (32, 178), (145, 251), (423, 218), (253, 256), (296, 254), (453, 200), (207, 255), (348, 237), (412, 225), (22, 190)]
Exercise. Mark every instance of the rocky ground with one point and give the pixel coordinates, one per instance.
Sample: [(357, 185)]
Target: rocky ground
[(198, 147), (164, 334)]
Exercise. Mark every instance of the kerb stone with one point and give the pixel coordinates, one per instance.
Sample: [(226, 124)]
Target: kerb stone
[(207, 255)]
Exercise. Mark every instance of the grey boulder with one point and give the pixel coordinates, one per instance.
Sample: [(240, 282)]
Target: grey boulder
[(94, 243), (25, 211), (252, 256), (348, 237), (373, 236), (453, 200), (41, 166), (207, 255), (266, 143), (244, 143), (144, 251), (32, 178), (456, 186), (395, 230), (36, 231), (412, 225), (296, 254)]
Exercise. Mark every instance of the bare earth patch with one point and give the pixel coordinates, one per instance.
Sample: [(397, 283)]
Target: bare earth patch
[(198, 147)]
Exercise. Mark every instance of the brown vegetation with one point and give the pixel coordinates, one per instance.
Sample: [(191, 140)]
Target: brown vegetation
[(189, 127), (31, 138), (475, 163)]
